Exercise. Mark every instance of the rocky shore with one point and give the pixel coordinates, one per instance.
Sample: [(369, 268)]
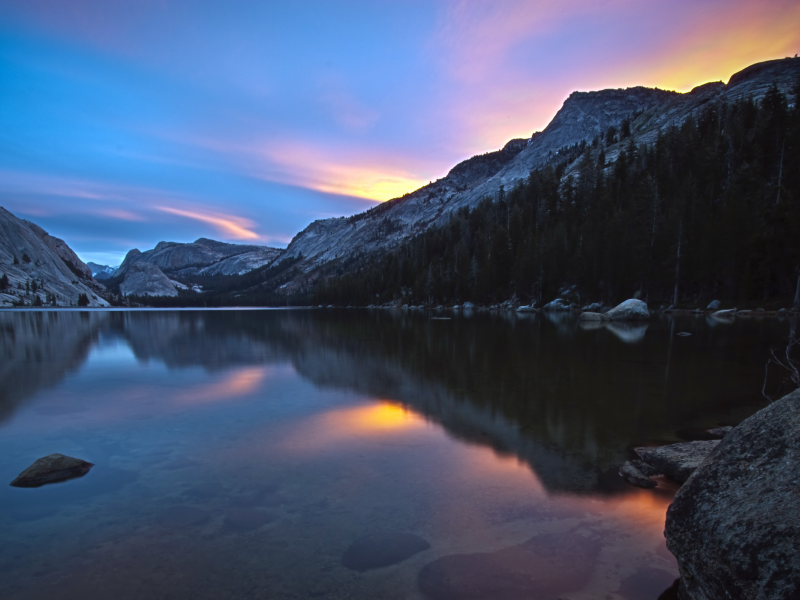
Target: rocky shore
[(734, 524)]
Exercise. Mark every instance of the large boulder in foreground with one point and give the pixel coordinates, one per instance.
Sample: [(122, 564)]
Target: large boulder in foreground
[(630, 310), (52, 469), (735, 524)]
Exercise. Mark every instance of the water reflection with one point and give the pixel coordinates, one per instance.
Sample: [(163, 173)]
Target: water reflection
[(247, 450)]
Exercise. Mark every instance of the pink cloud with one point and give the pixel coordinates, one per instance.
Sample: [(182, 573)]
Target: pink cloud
[(235, 227)]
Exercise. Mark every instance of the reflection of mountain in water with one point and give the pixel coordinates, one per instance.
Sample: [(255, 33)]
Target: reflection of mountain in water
[(566, 401), (37, 349)]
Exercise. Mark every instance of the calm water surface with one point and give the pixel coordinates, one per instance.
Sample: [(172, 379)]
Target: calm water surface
[(240, 453)]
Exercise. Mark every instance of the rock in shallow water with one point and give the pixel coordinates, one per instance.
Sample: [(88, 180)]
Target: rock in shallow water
[(52, 469), (734, 525), (542, 567), (630, 310), (382, 549), (634, 476), (677, 461)]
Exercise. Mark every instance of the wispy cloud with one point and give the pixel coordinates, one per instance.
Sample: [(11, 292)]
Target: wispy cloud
[(232, 226)]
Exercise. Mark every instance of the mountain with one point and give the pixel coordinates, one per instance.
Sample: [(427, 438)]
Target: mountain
[(584, 118), (150, 273), (41, 268), (100, 272)]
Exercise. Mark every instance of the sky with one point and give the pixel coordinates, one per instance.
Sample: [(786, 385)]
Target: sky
[(125, 123)]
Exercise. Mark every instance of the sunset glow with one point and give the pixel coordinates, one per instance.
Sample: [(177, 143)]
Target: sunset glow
[(252, 130)]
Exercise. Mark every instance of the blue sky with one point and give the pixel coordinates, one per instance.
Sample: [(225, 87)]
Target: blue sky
[(126, 123)]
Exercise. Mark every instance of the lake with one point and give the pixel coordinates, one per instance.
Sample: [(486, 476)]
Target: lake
[(283, 453)]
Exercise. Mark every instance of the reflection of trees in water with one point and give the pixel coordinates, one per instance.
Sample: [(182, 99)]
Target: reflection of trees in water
[(566, 400)]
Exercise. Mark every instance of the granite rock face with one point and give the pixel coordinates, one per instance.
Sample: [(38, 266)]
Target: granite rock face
[(146, 279), (678, 461), (28, 253), (734, 525), (630, 310), (203, 257), (52, 469)]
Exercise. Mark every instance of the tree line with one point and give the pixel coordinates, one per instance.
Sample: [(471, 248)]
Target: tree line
[(710, 209)]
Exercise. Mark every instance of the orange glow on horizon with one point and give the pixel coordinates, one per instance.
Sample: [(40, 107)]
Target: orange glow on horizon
[(362, 177)]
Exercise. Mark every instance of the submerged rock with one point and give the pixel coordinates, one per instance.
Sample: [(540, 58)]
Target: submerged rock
[(382, 549), (634, 476), (678, 461), (52, 469), (543, 567), (734, 525), (630, 310)]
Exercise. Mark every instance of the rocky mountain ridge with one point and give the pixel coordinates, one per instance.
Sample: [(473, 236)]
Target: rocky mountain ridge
[(101, 271), (146, 273), (42, 269), (583, 117)]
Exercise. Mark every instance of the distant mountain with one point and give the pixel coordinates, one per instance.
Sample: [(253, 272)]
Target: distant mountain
[(584, 117), (158, 272), (100, 272), (41, 268)]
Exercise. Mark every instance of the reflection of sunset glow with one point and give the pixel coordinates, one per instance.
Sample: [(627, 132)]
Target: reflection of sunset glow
[(380, 417), (348, 424), (237, 384)]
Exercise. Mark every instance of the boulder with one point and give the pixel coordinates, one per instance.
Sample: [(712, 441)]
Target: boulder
[(734, 525), (468, 305), (714, 305), (525, 309), (382, 549), (724, 314), (630, 310), (720, 432), (678, 461), (593, 316), (634, 476), (557, 304), (594, 307), (52, 469)]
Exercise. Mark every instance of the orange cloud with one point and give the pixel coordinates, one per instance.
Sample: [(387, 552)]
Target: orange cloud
[(374, 178), (233, 226)]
